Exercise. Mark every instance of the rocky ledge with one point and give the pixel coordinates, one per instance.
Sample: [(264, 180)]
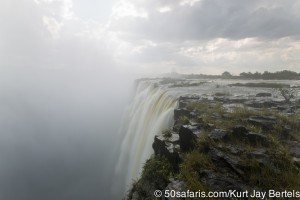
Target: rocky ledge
[(225, 144)]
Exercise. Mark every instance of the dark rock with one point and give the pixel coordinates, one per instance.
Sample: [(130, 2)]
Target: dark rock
[(182, 104), (167, 149), (217, 134), (218, 94), (234, 149), (286, 133), (185, 100), (296, 162), (265, 122), (242, 133), (256, 138), (286, 108), (187, 137), (221, 99), (222, 182), (263, 94), (239, 131), (227, 163), (181, 112), (236, 100), (263, 103), (295, 149), (260, 156)]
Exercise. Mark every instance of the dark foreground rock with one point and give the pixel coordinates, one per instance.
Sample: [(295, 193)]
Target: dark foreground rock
[(187, 137)]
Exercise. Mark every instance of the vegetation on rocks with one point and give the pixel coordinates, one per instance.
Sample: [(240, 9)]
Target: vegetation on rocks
[(240, 147)]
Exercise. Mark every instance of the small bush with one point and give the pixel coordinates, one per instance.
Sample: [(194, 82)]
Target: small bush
[(167, 133)]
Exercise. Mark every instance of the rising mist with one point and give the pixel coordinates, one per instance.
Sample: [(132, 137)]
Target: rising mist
[(58, 133)]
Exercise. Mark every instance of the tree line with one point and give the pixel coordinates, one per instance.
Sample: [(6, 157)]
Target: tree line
[(279, 75)]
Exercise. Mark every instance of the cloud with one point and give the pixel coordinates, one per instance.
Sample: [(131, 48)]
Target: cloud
[(209, 19), (212, 35)]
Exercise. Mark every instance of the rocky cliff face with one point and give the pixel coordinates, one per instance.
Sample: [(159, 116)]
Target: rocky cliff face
[(225, 144)]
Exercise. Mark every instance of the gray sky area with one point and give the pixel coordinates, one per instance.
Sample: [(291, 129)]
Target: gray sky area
[(66, 71), (158, 36)]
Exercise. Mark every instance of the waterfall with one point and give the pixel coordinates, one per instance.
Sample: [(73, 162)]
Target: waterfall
[(150, 113)]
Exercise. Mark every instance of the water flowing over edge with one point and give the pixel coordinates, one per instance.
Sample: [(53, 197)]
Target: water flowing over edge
[(150, 112)]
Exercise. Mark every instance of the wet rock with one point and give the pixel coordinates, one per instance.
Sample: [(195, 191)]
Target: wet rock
[(265, 122), (263, 94), (222, 182), (182, 104), (181, 112), (239, 131), (296, 162), (218, 94), (242, 133), (168, 149), (257, 138), (286, 108), (236, 100), (227, 163), (294, 149), (221, 99), (187, 137), (234, 149), (263, 103), (185, 100), (260, 156), (217, 134)]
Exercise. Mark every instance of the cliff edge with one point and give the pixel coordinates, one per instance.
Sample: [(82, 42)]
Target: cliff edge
[(225, 144)]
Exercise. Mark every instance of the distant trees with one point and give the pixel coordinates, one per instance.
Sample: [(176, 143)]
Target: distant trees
[(280, 75), (226, 74)]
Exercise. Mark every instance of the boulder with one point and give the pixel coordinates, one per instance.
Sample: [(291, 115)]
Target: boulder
[(217, 134), (222, 182), (262, 157), (242, 133), (167, 149), (187, 137), (294, 149), (226, 163), (265, 122)]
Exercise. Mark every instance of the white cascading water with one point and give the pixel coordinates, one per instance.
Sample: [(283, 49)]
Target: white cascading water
[(150, 113)]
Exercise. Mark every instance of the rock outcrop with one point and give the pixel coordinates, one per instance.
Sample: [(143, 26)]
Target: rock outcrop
[(232, 150)]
